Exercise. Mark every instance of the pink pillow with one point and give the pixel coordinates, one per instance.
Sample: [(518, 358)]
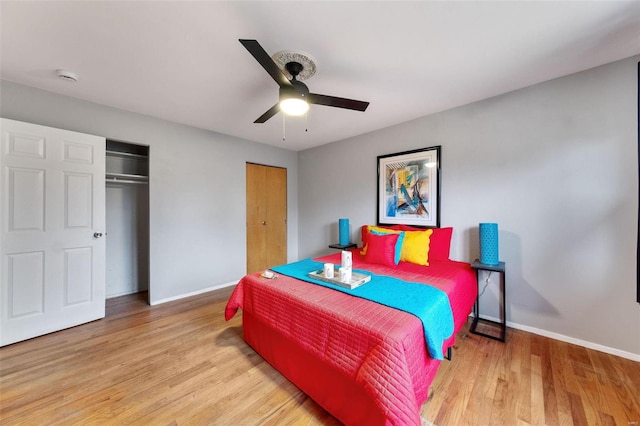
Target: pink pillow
[(440, 244), (381, 249)]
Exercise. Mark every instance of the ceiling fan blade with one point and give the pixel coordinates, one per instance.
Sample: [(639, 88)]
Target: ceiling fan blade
[(270, 113), (333, 101), (265, 60)]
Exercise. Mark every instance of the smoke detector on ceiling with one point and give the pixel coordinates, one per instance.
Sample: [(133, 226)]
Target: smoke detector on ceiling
[(67, 75)]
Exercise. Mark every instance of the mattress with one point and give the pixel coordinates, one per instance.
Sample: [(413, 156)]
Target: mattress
[(365, 363)]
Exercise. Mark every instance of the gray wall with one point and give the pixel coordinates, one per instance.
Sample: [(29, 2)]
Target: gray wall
[(555, 165), (196, 187)]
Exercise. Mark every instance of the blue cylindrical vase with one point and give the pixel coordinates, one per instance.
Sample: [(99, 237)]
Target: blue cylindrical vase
[(344, 231), (489, 244)]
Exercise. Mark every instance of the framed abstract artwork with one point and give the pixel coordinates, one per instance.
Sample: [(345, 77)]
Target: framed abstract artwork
[(409, 188)]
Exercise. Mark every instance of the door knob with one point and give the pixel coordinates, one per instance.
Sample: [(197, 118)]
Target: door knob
[(97, 234)]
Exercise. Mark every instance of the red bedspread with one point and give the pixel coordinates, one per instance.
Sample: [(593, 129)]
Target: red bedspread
[(374, 364)]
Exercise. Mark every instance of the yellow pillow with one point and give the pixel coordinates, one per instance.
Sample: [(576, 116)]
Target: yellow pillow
[(379, 230), (415, 247)]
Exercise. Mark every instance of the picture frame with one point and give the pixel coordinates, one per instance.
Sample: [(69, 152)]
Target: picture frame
[(409, 188)]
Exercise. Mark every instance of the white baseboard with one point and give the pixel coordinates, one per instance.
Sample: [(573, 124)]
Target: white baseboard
[(193, 293), (568, 339), (122, 293)]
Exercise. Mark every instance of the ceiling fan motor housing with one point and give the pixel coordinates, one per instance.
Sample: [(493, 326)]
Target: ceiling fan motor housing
[(294, 68), (297, 90)]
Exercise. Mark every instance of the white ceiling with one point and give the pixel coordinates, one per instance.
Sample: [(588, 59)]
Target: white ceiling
[(181, 61)]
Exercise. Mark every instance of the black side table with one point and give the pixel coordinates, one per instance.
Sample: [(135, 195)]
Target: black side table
[(501, 269), (343, 247)]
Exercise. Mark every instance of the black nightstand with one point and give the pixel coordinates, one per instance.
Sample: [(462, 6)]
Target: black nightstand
[(343, 247), (501, 269)]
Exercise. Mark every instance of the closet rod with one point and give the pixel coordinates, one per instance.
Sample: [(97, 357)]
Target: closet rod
[(125, 181)]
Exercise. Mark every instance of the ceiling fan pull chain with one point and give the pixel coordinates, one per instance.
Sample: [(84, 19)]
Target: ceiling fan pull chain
[(306, 121), (284, 128)]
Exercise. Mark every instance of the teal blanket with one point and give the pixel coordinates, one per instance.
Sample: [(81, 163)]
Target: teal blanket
[(429, 304)]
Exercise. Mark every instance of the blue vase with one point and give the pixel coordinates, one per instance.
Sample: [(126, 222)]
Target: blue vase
[(489, 244), (344, 231)]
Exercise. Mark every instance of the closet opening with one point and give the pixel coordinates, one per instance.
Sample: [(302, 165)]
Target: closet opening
[(127, 219)]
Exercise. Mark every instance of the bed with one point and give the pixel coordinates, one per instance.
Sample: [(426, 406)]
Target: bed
[(363, 362)]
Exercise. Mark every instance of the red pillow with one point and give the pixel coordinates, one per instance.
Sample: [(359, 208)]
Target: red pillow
[(440, 244), (365, 234), (367, 229), (381, 249), (405, 228)]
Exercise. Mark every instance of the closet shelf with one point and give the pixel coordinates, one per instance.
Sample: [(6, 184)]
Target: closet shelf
[(125, 154)]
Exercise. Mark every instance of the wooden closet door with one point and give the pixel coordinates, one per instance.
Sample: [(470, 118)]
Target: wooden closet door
[(266, 217)]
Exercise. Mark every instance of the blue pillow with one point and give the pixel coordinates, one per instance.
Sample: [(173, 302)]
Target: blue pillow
[(398, 243)]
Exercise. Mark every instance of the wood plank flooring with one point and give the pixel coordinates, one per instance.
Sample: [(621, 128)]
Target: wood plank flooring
[(181, 363)]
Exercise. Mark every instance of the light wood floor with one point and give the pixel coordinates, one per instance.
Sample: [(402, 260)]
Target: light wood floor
[(181, 363)]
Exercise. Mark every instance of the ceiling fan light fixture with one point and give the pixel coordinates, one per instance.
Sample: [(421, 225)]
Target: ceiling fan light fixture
[(294, 106), (294, 94)]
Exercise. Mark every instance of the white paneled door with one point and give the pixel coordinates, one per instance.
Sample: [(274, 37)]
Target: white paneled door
[(52, 270)]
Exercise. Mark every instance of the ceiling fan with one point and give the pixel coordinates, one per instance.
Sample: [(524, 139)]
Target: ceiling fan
[(294, 94)]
